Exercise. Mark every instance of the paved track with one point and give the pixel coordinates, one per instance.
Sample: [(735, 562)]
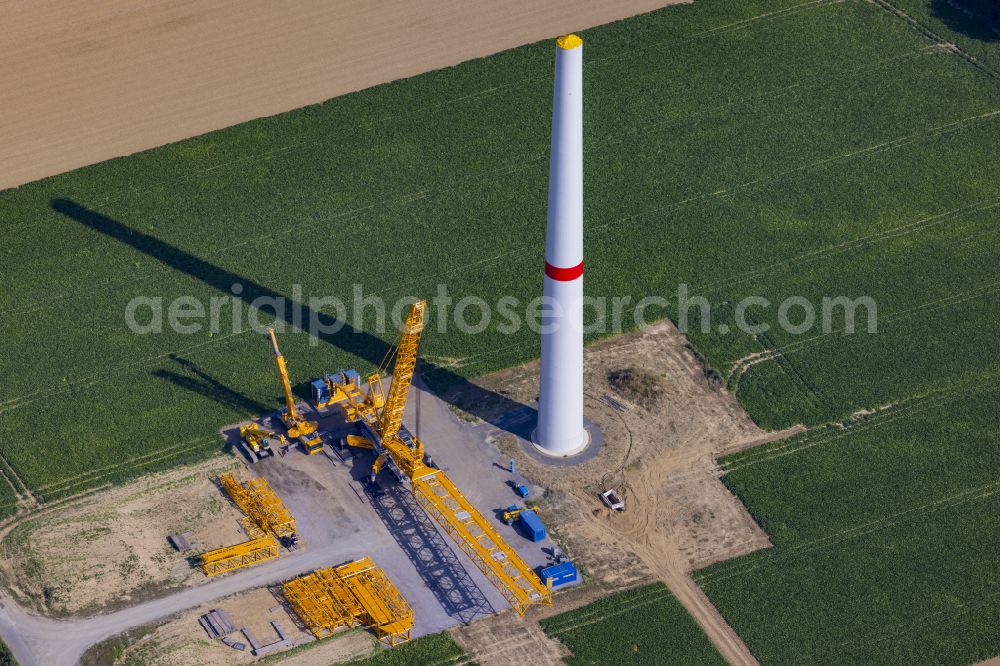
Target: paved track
[(43, 641)]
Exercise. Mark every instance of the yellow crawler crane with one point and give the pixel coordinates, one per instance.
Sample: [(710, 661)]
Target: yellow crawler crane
[(297, 425), (267, 520), (353, 594), (438, 495)]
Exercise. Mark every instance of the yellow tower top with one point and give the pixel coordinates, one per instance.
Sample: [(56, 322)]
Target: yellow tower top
[(569, 42)]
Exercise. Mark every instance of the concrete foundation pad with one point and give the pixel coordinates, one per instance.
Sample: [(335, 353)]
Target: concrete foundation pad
[(590, 448)]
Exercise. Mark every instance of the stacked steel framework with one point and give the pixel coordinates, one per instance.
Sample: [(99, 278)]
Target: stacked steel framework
[(266, 518), (353, 594), (241, 555)]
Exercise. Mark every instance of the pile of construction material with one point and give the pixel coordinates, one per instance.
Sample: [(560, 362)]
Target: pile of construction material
[(260, 650), (219, 624), (268, 523), (353, 594)]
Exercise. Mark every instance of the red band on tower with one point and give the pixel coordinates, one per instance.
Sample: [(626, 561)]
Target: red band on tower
[(563, 274)]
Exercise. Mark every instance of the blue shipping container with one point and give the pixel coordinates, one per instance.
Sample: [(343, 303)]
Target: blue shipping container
[(320, 392), (531, 525), (559, 574)]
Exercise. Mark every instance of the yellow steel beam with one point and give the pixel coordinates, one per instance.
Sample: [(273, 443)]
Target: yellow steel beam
[(261, 504), (276, 515), (475, 535), (346, 596), (230, 558)]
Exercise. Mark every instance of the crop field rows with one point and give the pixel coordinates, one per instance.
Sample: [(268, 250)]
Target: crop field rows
[(645, 625), (767, 148), (692, 174)]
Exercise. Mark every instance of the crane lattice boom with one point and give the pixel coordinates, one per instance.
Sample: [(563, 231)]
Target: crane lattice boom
[(436, 493)]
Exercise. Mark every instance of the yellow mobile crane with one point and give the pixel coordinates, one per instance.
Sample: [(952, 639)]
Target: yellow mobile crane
[(298, 427), (403, 453)]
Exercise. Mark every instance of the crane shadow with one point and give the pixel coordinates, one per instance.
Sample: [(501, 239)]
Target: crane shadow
[(422, 542), (196, 380), (480, 402), (978, 19)]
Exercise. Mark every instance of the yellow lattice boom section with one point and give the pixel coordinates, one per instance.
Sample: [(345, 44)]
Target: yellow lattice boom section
[(353, 594), (241, 555), (481, 542), (274, 512), (261, 504)]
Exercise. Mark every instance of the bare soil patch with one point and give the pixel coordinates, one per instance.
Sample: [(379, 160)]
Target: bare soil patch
[(110, 549), (85, 82), (662, 456), (181, 641)]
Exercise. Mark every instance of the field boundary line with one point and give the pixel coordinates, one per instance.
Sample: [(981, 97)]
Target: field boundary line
[(86, 477), (132, 468), (587, 611), (826, 542), (933, 36), (24, 496), (935, 304), (593, 618), (918, 405)]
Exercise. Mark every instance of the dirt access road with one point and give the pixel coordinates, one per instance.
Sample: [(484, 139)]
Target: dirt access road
[(85, 82), (49, 642), (680, 516)]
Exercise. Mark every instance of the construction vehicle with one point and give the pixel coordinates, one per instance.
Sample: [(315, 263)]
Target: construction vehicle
[(353, 594), (268, 523), (298, 427), (257, 442), (344, 387), (527, 519), (512, 512), (396, 448)]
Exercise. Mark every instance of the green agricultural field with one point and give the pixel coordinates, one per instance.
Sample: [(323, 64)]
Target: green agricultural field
[(646, 625), (725, 141), (6, 658), (886, 534), (768, 148)]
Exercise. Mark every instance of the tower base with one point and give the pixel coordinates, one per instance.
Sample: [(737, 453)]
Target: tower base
[(561, 454)]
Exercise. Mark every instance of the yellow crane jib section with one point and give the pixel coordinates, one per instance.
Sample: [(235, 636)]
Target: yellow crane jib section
[(436, 493), (230, 558), (474, 534), (391, 416), (261, 504), (274, 512), (353, 594)]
